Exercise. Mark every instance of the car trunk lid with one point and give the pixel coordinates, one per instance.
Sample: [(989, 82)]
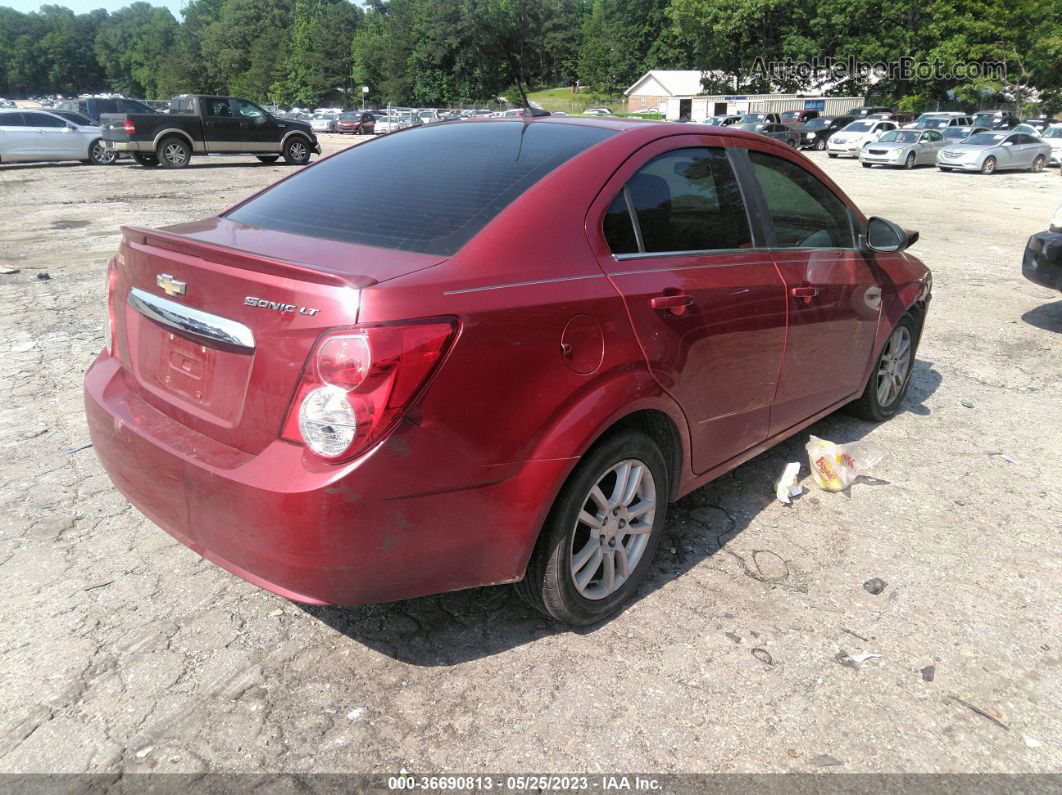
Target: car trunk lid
[(215, 320)]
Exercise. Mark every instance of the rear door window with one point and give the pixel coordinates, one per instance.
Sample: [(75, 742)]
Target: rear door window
[(804, 212), (684, 200), (12, 120), (43, 120), (429, 190)]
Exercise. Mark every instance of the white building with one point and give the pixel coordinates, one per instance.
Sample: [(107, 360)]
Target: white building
[(677, 93)]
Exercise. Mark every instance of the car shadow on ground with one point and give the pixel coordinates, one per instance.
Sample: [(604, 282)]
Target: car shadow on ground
[(458, 627), (1046, 316)]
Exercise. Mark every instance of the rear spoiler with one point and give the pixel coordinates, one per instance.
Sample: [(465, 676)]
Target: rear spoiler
[(181, 244)]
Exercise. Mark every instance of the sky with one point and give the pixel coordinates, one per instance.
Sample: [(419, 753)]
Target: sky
[(81, 6)]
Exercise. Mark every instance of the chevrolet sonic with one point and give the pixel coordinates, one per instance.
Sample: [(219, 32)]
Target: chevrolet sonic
[(502, 365)]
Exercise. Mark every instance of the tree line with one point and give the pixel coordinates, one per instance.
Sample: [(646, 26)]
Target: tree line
[(444, 52)]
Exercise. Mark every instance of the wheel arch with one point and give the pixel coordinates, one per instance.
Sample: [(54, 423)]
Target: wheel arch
[(301, 133), (172, 131)]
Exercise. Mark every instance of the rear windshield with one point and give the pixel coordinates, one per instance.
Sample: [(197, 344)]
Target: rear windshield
[(430, 189)]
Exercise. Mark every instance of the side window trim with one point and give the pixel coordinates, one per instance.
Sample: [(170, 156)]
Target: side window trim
[(639, 241)]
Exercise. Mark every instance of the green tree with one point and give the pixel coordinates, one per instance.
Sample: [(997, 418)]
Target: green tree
[(132, 45)]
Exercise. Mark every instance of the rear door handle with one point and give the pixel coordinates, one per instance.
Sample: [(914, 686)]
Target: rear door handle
[(675, 303), (807, 293)]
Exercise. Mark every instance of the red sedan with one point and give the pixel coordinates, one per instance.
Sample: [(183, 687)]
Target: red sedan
[(356, 123), (504, 376)]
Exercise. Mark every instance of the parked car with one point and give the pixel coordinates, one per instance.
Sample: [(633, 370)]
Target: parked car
[(428, 116), (898, 118), (1029, 129), (7, 103), (1053, 137), (38, 135), (955, 134), (757, 118), (1038, 124), (818, 131), (347, 400), (939, 120), (388, 124), (95, 107), (208, 125), (77, 118), (869, 110), (989, 152), (324, 123), (723, 121), (356, 123), (780, 132), (853, 137), (903, 149), (796, 119), (598, 112), (996, 119), (1042, 262)]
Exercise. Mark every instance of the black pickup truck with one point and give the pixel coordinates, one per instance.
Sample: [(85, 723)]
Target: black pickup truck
[(207, 125)]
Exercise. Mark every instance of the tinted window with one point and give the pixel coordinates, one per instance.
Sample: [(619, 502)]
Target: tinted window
[(76, 118), (619, 230), (687, 200), (432, 189), (43, 120), (805, 213), (12, 120), (218, 107)]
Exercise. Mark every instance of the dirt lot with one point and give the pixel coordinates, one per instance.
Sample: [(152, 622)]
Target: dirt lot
[(121, 649)]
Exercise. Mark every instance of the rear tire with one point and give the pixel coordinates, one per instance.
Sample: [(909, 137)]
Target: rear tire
[(865, 165), (297, 151), (173, 152), (1038, 164), (599, 539), (268, 158), (98, 156), (148, 161), (891, 376), (820, 144), (830, 154)]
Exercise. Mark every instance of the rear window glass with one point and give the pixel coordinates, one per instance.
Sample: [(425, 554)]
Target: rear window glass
[(429, 190)]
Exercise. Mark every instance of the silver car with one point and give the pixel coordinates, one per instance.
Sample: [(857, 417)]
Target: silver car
[(1053, 137), (952, 135), (852, 139), (779, 132), (30, 135), (989, 152), (903, 148)]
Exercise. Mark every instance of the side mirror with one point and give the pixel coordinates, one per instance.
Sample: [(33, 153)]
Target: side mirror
[(887, 237), (1008, 143), (70, 127)]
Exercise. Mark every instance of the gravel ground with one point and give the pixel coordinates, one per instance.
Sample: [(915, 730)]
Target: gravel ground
[(122, 650)]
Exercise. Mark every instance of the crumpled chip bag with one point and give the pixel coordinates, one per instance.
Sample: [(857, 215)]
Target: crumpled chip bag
[(835, 466)]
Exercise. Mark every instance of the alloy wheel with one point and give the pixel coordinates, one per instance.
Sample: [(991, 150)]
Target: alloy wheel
[(612, 530), (298, 151), (1038, 164), (174, 154), (102, 156), (894, 366)]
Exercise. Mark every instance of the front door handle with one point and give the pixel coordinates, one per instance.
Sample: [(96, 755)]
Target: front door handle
[(676, 304), (807, 293)]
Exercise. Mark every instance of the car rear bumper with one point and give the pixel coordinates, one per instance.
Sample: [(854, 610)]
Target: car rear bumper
[(409, 518), (1042, 262)]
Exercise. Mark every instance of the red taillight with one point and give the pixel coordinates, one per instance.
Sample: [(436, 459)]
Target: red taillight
[(357, 384), (130, 128)]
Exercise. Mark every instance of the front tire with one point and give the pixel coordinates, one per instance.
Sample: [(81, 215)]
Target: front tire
[(909, 163), (989, 166), (865, 165), (173, 152), (268, 158), (99, 156), (297, 151), (601, 534), (820, 144), (1038, 164), (891, 375), (830, 154)]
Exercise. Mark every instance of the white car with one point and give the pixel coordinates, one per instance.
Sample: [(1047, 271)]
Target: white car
[(597, 112), (1053, 136), (387, 124), (323, 124), (851, 139), (32, 135)]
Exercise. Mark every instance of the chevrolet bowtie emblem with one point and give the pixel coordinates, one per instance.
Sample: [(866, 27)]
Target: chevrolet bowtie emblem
[(171, 286)]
